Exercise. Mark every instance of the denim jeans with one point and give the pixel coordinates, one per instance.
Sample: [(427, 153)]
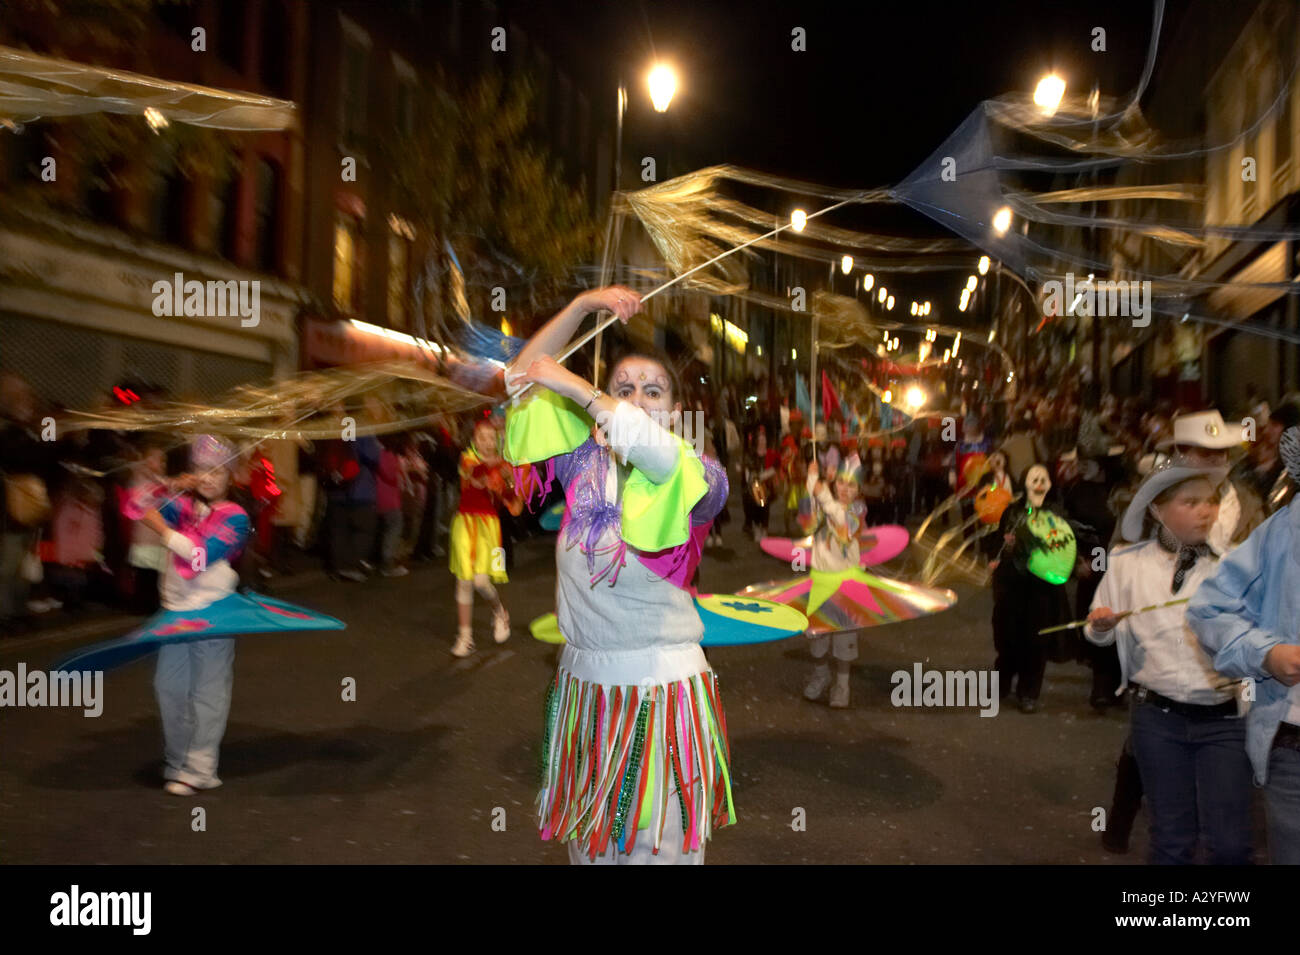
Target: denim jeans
[(1198, 783), (1282, 806), (193, 683)]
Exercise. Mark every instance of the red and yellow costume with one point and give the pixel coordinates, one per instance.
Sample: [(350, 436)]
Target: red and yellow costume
[(476, 529)]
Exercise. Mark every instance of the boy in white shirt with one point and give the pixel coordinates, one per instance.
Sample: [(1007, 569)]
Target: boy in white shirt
[(1187, 734)]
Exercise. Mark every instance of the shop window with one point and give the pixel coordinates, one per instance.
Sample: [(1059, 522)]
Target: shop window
[(266, 217), (349, 255)]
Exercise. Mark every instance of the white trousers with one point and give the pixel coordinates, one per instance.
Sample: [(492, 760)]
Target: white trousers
[(193, 683)]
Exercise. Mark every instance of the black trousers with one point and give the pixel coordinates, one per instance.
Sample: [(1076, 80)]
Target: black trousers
[(1023, 605)]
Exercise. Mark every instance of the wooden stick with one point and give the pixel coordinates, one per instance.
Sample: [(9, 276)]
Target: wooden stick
[(601, 326), (1074, 624)]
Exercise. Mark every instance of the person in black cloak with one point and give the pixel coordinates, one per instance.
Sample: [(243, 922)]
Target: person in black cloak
[(1037, 559)]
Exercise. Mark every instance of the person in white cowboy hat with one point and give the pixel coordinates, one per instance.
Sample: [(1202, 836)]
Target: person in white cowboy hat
[(1202, 439), (1247, 617), (1187, 734)]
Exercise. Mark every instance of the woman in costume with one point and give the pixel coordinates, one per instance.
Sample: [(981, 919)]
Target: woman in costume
[(834, 521), (635, 747), (1029, 573), (476, 551)]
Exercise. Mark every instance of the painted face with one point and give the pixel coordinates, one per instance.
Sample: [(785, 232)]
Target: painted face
[(212, 485), (1037, 483), (1191, 510), (644, 382)]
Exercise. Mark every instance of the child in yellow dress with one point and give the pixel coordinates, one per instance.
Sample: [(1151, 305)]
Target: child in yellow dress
[(477, 557)]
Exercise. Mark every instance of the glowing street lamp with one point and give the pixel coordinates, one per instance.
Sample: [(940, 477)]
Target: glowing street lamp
[(868, 281), (663, 84), (971, 283), (965, 300), (883, 294), (984, 265), (915, 398), (889, 304), (798, 219), (914, 308), (1002, 220), (1048, 93)]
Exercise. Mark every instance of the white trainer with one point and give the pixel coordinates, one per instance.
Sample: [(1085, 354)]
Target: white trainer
[(464, 646), (817, 684)]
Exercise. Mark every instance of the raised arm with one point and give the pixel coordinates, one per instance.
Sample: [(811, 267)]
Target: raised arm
[(551, 338)]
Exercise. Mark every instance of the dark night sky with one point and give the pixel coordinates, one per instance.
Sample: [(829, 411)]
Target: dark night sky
[(880, 86)]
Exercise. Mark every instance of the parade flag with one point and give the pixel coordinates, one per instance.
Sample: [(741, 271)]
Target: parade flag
[(801, 399), (829, 400)]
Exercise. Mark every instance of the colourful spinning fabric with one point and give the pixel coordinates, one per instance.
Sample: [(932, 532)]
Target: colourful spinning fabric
[(852, 599), (729, 621), (879, 544), (231, 616)]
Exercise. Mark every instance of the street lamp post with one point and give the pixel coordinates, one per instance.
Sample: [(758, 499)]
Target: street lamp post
[(662, 82)]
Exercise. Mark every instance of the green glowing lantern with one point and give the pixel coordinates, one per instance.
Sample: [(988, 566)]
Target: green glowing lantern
[(1052, 558)]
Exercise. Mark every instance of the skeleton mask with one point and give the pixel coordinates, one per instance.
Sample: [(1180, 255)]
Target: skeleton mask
[(1037, 483)]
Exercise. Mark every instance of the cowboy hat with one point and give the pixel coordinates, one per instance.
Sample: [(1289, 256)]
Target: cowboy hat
[(1162, 477), (1204, 429)]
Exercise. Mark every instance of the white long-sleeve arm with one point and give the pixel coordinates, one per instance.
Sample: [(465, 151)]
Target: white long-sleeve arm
[(1107, 595), (636, 439), (179, 544)]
